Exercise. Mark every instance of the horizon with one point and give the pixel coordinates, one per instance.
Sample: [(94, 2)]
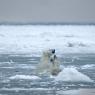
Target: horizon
[(47, 23)]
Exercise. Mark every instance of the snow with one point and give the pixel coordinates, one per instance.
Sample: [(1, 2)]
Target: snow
[(35, 38), (25, 89), (71, 74), (24, 77), (88, 66)]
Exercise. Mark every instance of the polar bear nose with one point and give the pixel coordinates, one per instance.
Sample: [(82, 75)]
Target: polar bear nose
[(53, 50)]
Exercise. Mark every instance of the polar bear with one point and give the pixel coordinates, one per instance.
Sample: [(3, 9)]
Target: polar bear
[(55, 65), (49, 63)]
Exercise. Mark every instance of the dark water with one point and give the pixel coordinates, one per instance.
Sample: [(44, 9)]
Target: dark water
[(12, 65)]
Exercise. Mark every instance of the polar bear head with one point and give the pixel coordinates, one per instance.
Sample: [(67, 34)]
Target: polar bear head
[(48, 53)]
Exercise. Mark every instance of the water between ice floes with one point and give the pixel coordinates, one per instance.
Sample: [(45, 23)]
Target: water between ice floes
[(17, 74)]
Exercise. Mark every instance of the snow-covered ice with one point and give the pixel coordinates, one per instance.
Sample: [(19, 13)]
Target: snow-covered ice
[(72, 75), (34, 38), (32, 77)]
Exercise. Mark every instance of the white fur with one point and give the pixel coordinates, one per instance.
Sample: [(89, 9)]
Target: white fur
[(55, 66), (46, 66)]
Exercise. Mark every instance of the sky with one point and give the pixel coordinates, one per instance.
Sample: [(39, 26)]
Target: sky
[(47, 11)]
